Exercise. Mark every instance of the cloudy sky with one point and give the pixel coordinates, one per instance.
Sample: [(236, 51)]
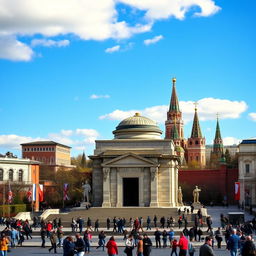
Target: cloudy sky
[(71, 70)]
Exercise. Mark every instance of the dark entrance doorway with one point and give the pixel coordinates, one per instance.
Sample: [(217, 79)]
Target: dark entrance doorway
[(130, 191)]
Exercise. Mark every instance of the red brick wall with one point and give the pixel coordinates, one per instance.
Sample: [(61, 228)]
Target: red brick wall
[(214, 183)]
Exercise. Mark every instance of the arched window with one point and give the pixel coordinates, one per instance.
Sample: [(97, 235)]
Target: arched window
[(20, 175), (196, 142), (1, 174), (10, 175)]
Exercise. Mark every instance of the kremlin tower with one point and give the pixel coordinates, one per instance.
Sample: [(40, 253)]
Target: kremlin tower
[(192, 151), (217, 152), (196, 145), (174, 124)]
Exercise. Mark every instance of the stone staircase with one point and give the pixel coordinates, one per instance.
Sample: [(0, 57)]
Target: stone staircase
[(125, 212)]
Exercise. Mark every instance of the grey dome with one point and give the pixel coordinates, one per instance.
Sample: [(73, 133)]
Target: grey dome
[(137, 127)]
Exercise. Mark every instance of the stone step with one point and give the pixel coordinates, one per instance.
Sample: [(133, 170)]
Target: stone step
[(125, 212)]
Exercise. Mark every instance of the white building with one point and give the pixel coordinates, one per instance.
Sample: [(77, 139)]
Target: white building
[(247, 171), (17, 171)]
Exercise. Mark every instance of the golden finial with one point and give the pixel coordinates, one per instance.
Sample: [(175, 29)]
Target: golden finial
[(174, 80), (137, 114)]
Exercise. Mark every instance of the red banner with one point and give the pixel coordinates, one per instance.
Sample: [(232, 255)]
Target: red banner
[(237, 191), (41, 193)]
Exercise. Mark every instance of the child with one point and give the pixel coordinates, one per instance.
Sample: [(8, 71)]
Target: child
[(174, 247)]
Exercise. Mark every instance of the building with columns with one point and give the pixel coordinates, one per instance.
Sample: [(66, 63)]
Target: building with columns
[(137, 168), (247, 171)]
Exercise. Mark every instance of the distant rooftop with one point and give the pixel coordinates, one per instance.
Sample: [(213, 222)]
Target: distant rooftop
[(42, 143), (249, 141)]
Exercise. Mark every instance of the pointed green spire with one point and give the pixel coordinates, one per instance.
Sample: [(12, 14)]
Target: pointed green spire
[(217, 133), (196, 130), (174, 104), (218, 143)]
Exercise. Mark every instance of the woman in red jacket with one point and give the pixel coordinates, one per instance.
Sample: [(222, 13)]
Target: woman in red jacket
[(112, 247)]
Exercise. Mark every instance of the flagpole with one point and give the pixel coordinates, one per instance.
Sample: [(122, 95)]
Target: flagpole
[(4, 199)]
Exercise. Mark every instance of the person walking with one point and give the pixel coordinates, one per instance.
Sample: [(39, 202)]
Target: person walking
[(206, 248), (53, 239), (3, 245), (183, 245), (96, 225), (60, 235), (174, 245), (112, 247), (129, 245), (147, 245), (233, 243), (148, 223), (218, 237), (157, 235), (87, 240), (191, 249), (68, 246), (43, 235), (79, 245), (164, 237), (14, 237), (101, 242), (140, 247)]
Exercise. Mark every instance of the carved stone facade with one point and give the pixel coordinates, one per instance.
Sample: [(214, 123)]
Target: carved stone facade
[(138, 173)]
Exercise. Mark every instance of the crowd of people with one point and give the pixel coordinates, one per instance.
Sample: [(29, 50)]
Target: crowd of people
[(135, 237)]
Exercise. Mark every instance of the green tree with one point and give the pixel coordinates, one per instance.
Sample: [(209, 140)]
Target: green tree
[(83, 161)]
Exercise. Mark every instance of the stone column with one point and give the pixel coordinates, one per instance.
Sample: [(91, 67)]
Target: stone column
[(106, 188), (154, 187)]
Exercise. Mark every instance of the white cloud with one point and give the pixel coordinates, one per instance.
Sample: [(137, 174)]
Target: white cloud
[(115, 48), (13, 141), (77, 138), (86, 19), (95, 96), (12, 49), (207, 110), (49, 43), (66, 132), (252, 116), (164, 9), (153, 40), (231, 141)]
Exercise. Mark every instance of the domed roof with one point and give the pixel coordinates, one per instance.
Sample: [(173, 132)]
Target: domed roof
[(137, 119), (137, 127)]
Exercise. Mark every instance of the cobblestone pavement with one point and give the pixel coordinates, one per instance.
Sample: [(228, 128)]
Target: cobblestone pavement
[(27, 251)]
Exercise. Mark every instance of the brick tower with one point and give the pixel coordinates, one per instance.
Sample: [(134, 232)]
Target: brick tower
[(196, 145), (174, 124)]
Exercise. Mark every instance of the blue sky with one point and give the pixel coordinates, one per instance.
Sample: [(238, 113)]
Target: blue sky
[(50, 67)]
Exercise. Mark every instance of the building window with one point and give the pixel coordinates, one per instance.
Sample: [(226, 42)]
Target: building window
[(10, 175), (247, 168), (190, 143), (1, 174), (197, 158), (196, 142), (20, 175)]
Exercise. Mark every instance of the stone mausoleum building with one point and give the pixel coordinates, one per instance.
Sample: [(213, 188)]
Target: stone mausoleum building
[(136, 168)]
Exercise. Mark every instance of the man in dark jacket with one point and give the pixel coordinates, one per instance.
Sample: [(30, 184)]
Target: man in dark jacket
[(157, 235), (206, 248), (79, 245), (249, 248), (147, 245)]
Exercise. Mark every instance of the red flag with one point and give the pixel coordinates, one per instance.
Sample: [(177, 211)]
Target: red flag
[(41, 193), (65, 192), (10, 195), (29, 195), (237, 191)]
